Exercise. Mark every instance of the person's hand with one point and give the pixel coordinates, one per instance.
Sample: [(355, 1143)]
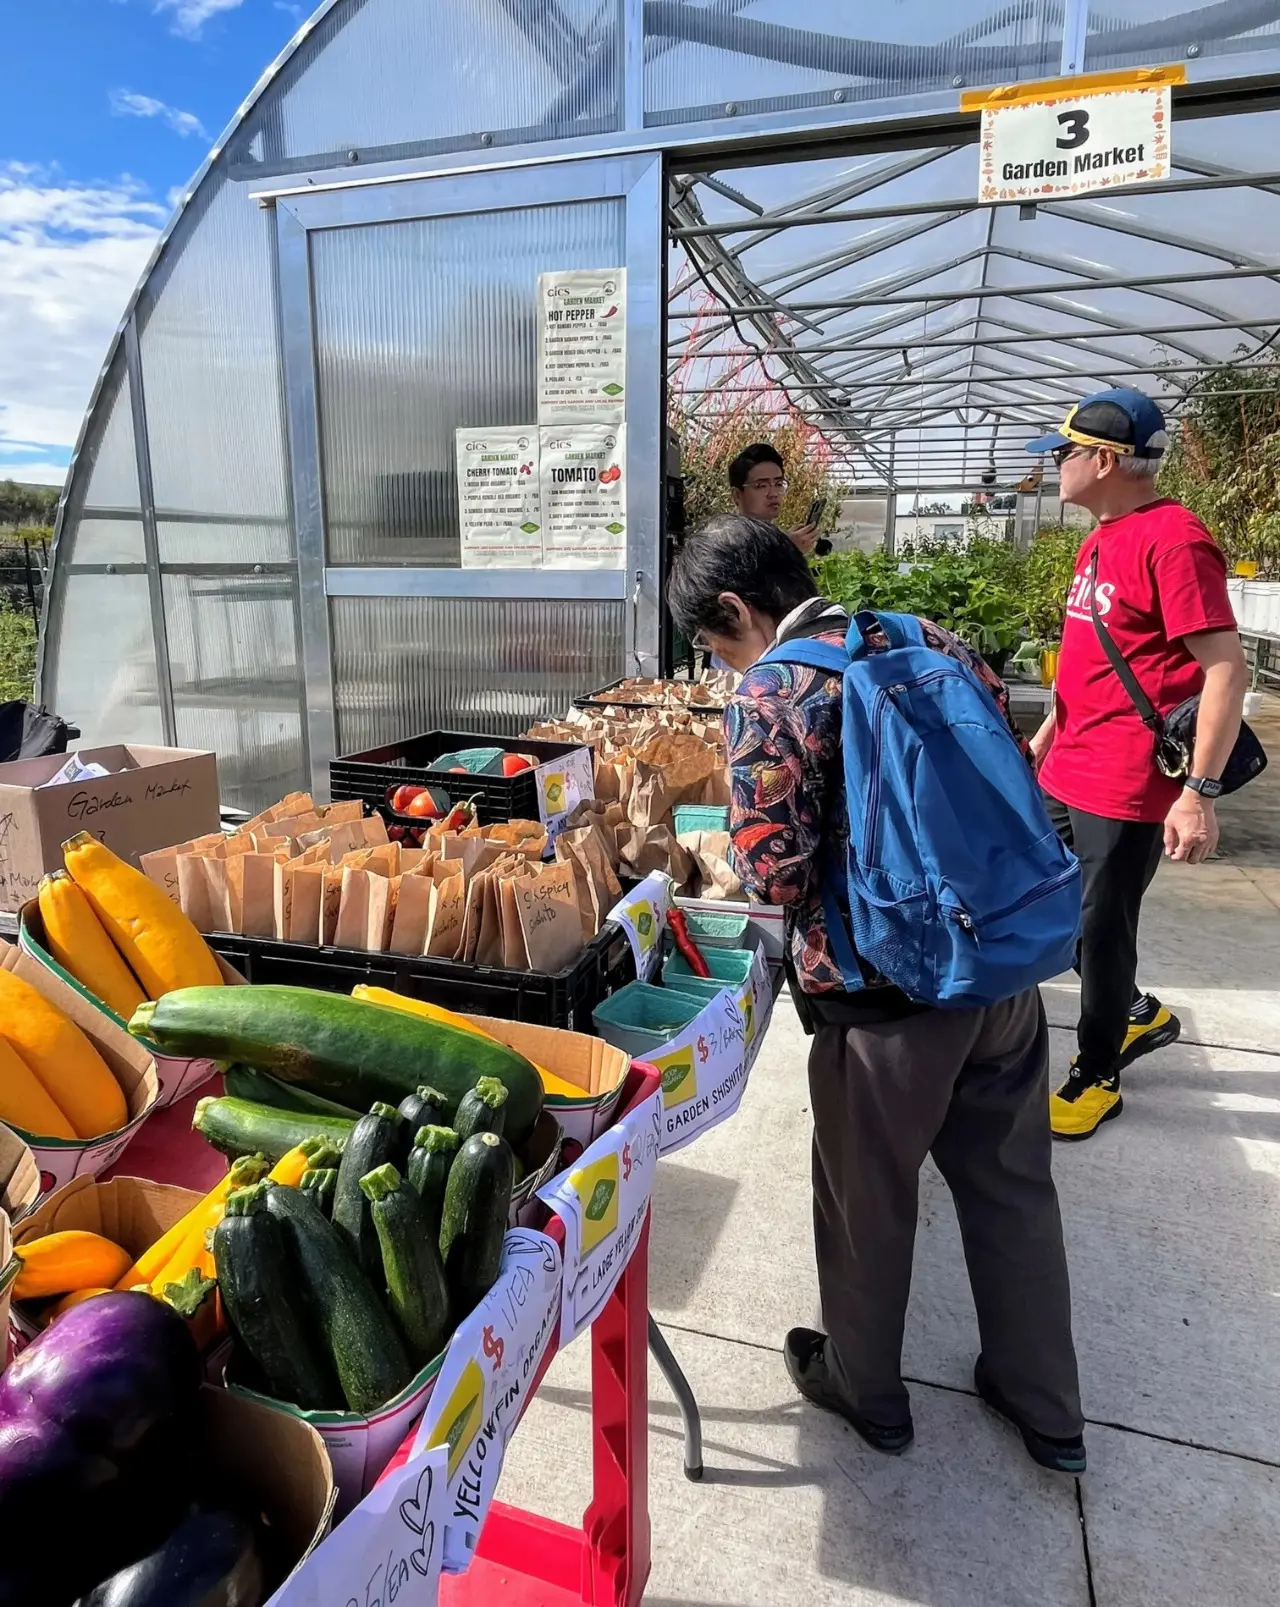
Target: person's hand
[(1040, 745), (1191, 828), (804, 537)]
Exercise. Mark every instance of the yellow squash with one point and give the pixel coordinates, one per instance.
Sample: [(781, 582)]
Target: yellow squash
[(79, 944), (157, 941), (62, 1262), (191, 1228), (75, 1298), (70, 1069), (23, 1100)]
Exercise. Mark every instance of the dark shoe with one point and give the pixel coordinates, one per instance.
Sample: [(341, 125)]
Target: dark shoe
[(1083, 1103), (1059, 1456), (1153, 1026), (804, 1354)]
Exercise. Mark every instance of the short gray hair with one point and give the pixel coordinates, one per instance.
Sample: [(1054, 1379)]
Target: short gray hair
[(1138, 468)]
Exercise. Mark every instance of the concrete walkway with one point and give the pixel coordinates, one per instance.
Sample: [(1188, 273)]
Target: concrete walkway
[(1173, 1225)]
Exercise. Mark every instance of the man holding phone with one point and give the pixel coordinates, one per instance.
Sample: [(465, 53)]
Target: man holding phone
[(758, 481)]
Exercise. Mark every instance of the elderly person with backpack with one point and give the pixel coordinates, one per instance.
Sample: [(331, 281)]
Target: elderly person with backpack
[(881, 794)]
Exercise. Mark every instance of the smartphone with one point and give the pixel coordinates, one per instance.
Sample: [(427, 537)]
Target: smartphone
[(816, 509), (821, 547)]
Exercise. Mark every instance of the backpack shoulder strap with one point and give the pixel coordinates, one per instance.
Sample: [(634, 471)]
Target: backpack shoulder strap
[(1139, 699), (812, 654)]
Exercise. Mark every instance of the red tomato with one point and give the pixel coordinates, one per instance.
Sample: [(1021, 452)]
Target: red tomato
[(404, 796), (457, 769), (514, 763), (423, 807)]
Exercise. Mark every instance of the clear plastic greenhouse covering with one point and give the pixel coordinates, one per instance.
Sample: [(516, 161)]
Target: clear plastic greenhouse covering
[(235, 572)]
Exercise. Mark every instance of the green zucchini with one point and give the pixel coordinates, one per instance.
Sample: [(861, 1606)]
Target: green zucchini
[(416, 1289), (425, 1107), (263, 1305), (359, 1336), (477, 1202), (189, 1293), (343, 1049), (482, 1109), (246, 1082), (429, 1162), (320, 1183), (238, 1127), (375, 1139)]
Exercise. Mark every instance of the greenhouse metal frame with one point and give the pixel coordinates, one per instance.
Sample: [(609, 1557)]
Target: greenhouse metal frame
[(257, 551)]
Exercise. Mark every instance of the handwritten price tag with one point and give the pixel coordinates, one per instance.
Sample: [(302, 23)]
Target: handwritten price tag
[(602, 1203), (385, 1551), (485, 1381), (642, 915)]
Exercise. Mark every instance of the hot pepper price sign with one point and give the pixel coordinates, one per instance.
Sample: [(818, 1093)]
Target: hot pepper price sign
[(485, 1382), (642, 915), (386, 1552), (603, 1202)]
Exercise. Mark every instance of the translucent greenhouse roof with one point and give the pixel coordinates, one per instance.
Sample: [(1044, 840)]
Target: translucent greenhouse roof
[(929, 336)]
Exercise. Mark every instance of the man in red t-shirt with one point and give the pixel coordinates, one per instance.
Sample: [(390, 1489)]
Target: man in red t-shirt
[(1158, 581)]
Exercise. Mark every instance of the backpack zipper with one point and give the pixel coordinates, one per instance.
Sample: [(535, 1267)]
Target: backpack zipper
[(884, 696), (962, 918)]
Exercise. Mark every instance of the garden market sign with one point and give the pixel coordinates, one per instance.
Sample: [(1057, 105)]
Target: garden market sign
[(1068, 136)]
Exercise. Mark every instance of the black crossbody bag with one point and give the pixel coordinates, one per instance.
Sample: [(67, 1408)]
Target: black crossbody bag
[(1174, 733)]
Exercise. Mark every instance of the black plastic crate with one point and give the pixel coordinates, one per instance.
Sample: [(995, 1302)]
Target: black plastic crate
[(563, 1000), (601, 700), (368, 775)]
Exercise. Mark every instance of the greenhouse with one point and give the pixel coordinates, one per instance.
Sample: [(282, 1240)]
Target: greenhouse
[(259, 551)]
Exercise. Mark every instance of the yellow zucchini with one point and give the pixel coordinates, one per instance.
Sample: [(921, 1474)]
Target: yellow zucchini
[(23, 1100), (161, 946), (78, 943), (62, 1262), (65, 1063)]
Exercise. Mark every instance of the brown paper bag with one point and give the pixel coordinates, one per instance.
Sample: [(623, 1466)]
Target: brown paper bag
[(527, 837), (413, 908), (301, 901), (255, 874), (711, 855), (224, 902), (653, 848), (345, 809), (193, 892), (515, 956), (597, 887), (489, 947), (565, 855), (606, 774), (445, 917), (473, 913), (332, 905), (362, 911), (161, 867), (717, 790), (547, 903)]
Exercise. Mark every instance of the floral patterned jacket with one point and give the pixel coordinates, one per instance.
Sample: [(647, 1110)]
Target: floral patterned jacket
[(782, 727)]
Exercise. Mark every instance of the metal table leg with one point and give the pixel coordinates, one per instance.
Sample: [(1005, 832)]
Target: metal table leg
[(688, 1405)]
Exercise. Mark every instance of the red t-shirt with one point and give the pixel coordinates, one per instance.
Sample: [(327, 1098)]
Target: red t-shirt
[(1161, 577)]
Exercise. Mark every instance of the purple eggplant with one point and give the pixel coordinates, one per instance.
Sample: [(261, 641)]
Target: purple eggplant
[(210, 1560), (98, 1440)]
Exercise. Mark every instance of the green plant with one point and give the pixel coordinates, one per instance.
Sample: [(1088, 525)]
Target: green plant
[(1046, 578), (17, 654)]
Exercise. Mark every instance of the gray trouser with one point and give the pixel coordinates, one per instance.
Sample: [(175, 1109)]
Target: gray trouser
[(971, 1088)]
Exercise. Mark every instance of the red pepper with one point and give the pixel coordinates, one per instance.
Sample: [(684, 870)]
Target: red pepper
[(688, 948), (461, 815)]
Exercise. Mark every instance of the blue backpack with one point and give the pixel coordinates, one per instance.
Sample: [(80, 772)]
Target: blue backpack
[(960, 891)]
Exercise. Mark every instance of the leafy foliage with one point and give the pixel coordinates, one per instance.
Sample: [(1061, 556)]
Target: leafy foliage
[(27, 504), (1225, 460), (1046, 578), (17, 654)]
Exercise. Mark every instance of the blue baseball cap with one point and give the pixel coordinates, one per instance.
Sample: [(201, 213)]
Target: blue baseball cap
[(1127, 421)]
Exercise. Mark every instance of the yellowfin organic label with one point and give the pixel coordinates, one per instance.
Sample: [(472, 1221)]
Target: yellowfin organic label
[(679, 1079), (553, 793), (646, 925), (597, 1189), (747, 1004), (461, 1419)]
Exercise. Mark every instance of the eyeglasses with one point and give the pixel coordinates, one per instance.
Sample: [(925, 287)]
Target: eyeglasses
[(766, 485), (1060, 454)]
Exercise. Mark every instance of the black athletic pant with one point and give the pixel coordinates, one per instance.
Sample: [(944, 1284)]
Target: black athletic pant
[(1117, 858)]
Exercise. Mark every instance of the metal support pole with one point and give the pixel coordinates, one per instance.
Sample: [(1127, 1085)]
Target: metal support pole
[(150, 535), (633, 64), (670, 1369), (891, 504), (1075, 28)]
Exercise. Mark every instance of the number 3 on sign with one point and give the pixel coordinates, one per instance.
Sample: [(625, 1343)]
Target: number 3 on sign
[(1075, 127)]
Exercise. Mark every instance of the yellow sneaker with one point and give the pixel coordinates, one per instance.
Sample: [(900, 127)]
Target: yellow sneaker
[(1143, 1036), (1080, 1107)]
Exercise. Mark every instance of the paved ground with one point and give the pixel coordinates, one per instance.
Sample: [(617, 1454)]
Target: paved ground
[(1173, 1222)]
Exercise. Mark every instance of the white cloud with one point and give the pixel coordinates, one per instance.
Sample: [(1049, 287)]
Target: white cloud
[(33, 471), (70, 256), (127, 103), (190, 16)]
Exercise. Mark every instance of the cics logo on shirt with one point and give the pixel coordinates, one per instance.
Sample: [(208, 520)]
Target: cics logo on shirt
[(1078, 597)]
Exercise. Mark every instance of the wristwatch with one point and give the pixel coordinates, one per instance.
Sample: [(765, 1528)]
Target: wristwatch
[(1204, 785)]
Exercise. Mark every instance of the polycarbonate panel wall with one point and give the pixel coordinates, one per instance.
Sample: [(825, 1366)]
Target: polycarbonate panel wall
[(233, 650), (211, 373), (380, 76), (1141, 32), (423, 328), (406, 664), (104, 672), (711, 59), (109, 529)]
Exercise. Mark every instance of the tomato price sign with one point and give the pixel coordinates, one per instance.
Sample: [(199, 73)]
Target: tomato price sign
[(1073, 136), (603, 1202)]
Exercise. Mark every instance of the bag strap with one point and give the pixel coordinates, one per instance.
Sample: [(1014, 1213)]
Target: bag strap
[(899, 630), (812, 654), (1141, 702)]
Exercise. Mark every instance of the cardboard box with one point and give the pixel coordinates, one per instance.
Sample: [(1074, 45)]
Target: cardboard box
[(278, 1467), (61, 1159), (132, 1212), (178, 1075), (154, 797), (19, 1175), (588, 1063)]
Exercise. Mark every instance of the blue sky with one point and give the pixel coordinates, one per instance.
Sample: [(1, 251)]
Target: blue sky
[(109, 107)]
